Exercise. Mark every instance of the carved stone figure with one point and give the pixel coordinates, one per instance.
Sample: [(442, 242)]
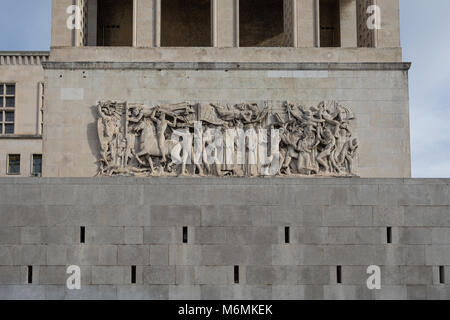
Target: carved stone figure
[(198, 139)]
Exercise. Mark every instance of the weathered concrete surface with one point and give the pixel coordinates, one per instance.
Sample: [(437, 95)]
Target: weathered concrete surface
[(130, 221), (377, 93)]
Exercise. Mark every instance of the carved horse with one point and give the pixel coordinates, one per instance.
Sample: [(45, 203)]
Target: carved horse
[(149, 147)]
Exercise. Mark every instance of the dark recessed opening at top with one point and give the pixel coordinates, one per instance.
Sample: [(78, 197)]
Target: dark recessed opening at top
[(115, 23), (330, 21), (186, 23), (261, 23)]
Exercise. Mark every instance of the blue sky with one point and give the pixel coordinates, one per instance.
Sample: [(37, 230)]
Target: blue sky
[(25, 25)]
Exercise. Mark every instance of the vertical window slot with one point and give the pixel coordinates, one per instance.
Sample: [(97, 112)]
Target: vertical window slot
[(133, 274), (389, 234), (287, 235), (30, 274), (82, 234), (339, 274), (185, 234)]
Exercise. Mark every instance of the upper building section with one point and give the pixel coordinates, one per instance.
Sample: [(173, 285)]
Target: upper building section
[(226, 30)]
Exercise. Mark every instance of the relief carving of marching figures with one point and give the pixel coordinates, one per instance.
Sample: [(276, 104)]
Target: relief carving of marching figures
[(226, 140)]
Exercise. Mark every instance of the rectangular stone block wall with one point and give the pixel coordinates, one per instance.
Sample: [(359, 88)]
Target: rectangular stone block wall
[(230, 222), (378, 97)]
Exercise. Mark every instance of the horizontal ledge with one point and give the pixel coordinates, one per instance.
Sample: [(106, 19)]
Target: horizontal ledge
[(224, 181), (20, 137), (24, 53), (364, 66)]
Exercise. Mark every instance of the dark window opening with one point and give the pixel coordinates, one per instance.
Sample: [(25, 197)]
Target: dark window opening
[(442, 274), (133, 274), (339, 274), (185, 234), (30, 274), (115, 23), (186, 23), (236, 274), (330, 22), (389, 234), (7, 105), (82, 234), (287, 235), (261, 23), (14, 164), (37, 165)]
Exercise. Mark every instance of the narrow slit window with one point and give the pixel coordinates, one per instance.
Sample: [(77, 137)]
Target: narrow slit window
[(389, 234), (185, 234), (82, 234), (30, 274), (236, 274), (442, 274), (133, 274), (339, 274), (287, 235)]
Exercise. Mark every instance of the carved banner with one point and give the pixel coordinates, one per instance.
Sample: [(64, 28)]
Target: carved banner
[(225, 140)]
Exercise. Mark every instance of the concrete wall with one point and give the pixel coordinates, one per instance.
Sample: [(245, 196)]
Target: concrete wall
[(230, 222), (377, 94)]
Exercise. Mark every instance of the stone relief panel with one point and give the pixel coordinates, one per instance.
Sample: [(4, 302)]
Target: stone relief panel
[(226, 140)]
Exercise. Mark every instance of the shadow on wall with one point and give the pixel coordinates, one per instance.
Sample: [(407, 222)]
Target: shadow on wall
[(92, 134)]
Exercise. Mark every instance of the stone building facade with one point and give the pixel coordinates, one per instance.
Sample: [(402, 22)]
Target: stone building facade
[(229, 52), (216, 238)]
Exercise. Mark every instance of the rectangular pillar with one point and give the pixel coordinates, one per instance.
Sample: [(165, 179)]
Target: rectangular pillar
[(389, 34), (305, 21), (62, 36), (146, 23), (349, 24), (92, 23), (225, 23)]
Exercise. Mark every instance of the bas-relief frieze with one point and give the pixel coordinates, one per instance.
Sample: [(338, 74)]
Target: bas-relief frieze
[(226, 140)]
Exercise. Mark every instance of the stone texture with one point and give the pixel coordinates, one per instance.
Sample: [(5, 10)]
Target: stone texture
[(343, 224)]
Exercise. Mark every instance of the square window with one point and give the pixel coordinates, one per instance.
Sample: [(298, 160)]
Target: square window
[(37, 164), (9, 116), (10, 89), (1, 102), (14, 164), (1, 89), (9, 129), (1, 116), (1, 128), (10, 102)]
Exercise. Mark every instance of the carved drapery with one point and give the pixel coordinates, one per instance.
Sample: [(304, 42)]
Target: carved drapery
[(225, 140)]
